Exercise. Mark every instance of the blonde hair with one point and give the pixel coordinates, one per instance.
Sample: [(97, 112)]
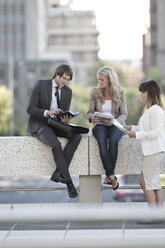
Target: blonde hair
[(114, 85)]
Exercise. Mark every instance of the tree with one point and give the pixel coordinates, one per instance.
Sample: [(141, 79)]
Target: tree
[(5, 110), (154, 74), (129, 75), (135, 105), (20, 123), (80, 102)]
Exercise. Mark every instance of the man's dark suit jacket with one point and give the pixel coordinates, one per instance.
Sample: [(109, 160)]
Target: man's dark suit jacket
[(40, 100)]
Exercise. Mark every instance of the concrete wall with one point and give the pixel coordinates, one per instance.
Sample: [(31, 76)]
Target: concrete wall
[(129, 157), (26, 156)]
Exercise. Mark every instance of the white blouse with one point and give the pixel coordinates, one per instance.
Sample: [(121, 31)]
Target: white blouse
[(151, 130), (107, 107)]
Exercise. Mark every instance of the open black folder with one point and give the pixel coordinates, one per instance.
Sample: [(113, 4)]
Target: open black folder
[(66, 113)]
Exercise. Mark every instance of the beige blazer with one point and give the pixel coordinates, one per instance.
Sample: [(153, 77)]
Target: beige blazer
[(120, 111)]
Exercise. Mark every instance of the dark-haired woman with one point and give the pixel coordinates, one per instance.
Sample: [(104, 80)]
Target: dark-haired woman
[(151, 133)]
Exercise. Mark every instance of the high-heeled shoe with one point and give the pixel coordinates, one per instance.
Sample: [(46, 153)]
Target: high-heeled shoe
[(114, 183), (107, 180)]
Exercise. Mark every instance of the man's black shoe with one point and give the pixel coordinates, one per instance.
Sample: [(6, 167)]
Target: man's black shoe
[(72, 192), (56, 177)]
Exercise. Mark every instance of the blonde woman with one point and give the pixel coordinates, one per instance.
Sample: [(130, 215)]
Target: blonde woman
[(151, 133), (108, 98)]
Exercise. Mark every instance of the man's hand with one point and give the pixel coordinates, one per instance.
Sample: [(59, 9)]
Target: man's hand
[(53, 112), (132, 134)]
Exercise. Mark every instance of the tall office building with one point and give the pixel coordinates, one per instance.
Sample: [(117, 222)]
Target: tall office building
[(21, 26), (21, 31), (37, 35), (156, 37), (73, 34)]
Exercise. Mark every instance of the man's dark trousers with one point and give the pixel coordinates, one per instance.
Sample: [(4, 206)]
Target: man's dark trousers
[(62, 158)]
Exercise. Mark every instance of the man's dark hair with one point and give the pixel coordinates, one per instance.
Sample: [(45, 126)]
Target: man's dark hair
[(63, 68)]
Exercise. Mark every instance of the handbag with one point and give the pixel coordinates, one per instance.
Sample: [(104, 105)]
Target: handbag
[(67, 129)]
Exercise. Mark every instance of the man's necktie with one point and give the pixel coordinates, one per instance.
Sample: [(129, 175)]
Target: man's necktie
[(57, 96)]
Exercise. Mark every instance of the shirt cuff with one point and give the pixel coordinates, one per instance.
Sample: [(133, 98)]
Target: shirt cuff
[(45, 113), (134, 128), (139, 135)]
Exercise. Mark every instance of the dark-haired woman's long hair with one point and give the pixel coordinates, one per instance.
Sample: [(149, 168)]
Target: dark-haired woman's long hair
[(154, 92)]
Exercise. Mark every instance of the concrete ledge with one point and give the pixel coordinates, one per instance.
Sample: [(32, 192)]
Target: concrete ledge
[(26, 156), (129, 160)]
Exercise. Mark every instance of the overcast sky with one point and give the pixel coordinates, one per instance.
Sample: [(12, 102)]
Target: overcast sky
[(121, 24)]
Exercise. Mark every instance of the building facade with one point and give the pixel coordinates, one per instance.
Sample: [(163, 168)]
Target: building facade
[(74, 34), (37, 35), (155, 40)]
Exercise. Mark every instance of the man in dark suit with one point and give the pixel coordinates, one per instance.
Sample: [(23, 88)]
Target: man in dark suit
[(47, 98)]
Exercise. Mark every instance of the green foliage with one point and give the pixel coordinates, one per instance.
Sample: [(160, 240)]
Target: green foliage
[(135, 105), (80, 102), (5, 110), (5, 113), (92, 78), (154, 74), (128, 75), (20, 123)]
